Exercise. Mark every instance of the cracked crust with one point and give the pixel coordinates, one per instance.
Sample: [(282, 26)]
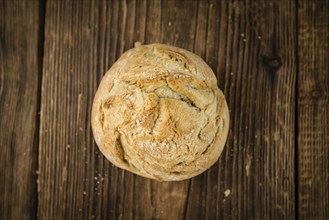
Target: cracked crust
[(159, 113)]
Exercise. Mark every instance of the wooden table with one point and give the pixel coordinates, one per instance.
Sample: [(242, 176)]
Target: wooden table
[(271, 60)]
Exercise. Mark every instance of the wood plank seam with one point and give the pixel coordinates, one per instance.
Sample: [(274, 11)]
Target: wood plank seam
[(41, 41), (296, 114)]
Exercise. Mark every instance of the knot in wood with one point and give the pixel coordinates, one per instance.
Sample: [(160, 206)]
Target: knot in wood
[(273, 63)]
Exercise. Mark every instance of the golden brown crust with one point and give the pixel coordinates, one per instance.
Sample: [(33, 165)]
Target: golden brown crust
[(159, 113)]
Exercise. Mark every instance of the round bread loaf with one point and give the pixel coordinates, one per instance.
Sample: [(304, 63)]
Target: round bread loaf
[(159, 113)]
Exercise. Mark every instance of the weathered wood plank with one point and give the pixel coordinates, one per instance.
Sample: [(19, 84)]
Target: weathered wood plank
[(313, 109), (251, 47), (19, 92)]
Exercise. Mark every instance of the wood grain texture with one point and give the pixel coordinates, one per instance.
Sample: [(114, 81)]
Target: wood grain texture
[(313, 109), (19, 83), (251, 47)]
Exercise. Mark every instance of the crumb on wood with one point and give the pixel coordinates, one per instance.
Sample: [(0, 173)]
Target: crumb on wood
[(248, 163), (138, 44), (227, 192)]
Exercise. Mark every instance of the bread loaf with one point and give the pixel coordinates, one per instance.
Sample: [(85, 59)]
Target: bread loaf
[(159, 113)]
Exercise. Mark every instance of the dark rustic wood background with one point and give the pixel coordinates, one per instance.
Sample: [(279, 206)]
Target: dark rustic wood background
[(271, 59)]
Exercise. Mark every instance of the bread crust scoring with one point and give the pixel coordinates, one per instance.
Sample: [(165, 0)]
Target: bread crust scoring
[(159, 113)]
